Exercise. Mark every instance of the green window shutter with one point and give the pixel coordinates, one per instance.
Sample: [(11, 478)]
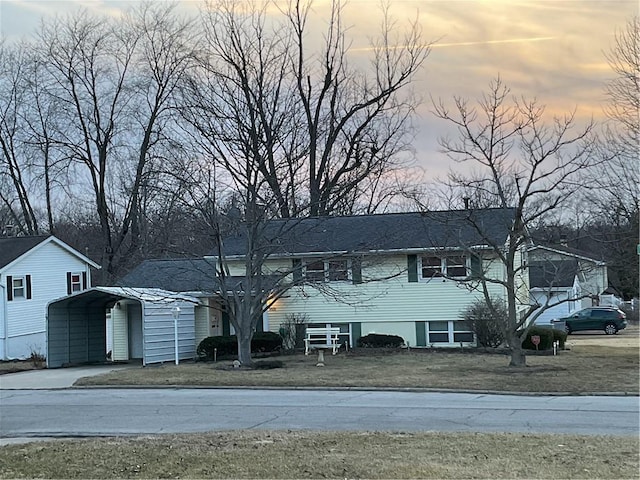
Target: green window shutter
[(226, 328), (28, 279), (421, 334), (297, 269), (356, 270), (412, 268), (476, 266), (356, 332)]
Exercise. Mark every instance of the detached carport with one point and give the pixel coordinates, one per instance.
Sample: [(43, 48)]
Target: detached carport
[(147, 319)]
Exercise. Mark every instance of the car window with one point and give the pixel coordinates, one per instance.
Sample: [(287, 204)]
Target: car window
[(584, 313)]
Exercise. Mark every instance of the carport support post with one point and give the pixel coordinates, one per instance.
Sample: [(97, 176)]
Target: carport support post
[(176, 315)]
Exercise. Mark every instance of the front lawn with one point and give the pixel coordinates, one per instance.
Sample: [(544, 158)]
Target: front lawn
[(583, 369)]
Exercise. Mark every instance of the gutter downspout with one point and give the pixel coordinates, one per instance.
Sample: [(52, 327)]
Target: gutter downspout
[(5, 322)]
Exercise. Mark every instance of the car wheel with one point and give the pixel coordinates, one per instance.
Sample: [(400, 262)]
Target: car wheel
[(610, 329), (567, 329)]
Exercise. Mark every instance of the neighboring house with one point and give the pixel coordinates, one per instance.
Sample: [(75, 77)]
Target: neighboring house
[(33, 271), (570, 279), (408, 274)]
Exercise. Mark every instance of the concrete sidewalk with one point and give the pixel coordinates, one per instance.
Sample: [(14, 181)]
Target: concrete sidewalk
[(53, 378)]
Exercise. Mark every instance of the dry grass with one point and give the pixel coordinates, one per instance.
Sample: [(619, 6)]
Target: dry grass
[(14, 366), (583, 369), (259, 454)]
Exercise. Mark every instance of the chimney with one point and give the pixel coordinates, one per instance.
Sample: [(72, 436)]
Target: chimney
[(466, 202)]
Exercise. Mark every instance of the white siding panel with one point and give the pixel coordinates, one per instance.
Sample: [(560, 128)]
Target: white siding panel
[(201, 314), (159, 332), (120, 335)]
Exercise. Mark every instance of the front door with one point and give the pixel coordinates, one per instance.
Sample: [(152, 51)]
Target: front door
[(134, 314)]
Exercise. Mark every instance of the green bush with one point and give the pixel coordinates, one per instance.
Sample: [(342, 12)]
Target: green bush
[(228, 345), (488, 323), (547, 337), (377, 340), (266, 342)]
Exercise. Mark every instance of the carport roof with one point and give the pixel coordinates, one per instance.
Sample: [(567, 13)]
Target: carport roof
[(107, 295)]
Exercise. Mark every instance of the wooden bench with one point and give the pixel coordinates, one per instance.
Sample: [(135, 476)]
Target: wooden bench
[(322, 339)]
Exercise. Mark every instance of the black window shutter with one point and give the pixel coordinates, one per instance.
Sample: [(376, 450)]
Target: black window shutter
[(412, 268), (68, 283), (28, 287), (356, 270), (9, 288), (297, 269), (84, 280)]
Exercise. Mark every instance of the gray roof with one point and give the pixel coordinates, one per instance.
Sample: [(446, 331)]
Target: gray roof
[(179, 275), (382, 232), (548, 274), (14, 247)]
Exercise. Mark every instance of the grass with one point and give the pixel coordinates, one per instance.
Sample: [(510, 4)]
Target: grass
[(583, 369), (300, 454)]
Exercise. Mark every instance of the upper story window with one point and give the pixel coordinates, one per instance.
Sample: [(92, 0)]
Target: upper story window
[(336, 270), (76, 282), (449, 266), (18, 287)]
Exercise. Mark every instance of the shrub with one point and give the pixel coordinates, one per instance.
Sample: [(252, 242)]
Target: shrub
[(486, 323), (37, 359), (293, 329), (376, 340), (547, 337), (266, 342), (228, 345)]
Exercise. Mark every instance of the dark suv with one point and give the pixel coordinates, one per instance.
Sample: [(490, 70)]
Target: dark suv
[(609, 319)]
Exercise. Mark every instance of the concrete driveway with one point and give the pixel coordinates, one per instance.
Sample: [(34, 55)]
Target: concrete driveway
[(53, 378)]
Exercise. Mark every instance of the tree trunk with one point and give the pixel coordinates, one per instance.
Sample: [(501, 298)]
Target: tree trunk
[(518, 357), (244, 347)]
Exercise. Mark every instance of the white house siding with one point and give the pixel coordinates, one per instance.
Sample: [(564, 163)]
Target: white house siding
[(47, 264), (391, 306), (159, 332), (202, 320), (120, 335), (557, 311)]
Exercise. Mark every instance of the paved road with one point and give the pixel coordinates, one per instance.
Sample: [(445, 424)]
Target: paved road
[(80, 412)]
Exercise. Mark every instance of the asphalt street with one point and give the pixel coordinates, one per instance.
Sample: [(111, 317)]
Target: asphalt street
[(106, 412)]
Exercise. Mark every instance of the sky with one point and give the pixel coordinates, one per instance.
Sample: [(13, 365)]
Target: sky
[(552, 50)]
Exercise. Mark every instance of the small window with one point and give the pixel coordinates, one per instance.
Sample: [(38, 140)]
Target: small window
[(327, 270), (315, 271), (18, 287), (431, 267), (338, 270), (76, 282), (456, 266)]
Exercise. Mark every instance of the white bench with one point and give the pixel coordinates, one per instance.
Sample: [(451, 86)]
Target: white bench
[(322, 339)]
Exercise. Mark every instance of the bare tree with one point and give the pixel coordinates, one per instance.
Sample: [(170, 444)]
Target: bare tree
[(113, 81), (15, 180), (520, 162), (356, 122)]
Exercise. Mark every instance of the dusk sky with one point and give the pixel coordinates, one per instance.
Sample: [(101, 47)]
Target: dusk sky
[(553, 50)]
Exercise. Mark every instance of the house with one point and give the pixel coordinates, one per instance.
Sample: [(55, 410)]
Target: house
[(564, 278), (408, 274), (33, 271)]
